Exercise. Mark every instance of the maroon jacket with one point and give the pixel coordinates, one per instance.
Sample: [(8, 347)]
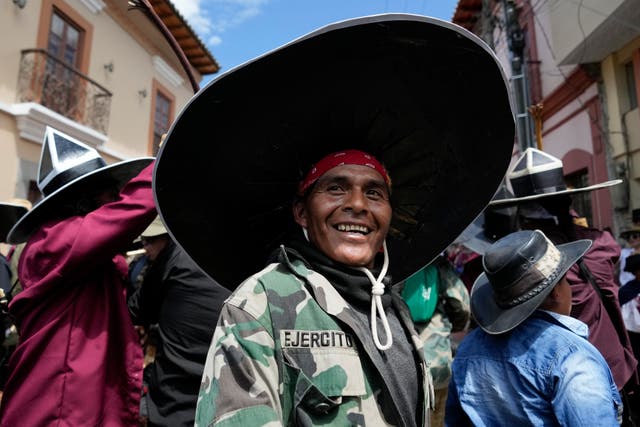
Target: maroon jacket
[(78, 362), (607, 333)]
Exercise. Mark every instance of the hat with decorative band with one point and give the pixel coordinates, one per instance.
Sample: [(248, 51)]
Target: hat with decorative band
[(520, 270), (537, 174), (70, 169)]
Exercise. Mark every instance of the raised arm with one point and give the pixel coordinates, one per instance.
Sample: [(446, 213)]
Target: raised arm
[(77, 245)]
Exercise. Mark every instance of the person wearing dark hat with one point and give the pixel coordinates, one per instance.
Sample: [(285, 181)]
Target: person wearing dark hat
[(544, 202), (185, 304), (334, 184), (78, 361), (529, 362)]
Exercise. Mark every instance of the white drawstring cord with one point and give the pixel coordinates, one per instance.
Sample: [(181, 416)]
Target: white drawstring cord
[(377, 290)]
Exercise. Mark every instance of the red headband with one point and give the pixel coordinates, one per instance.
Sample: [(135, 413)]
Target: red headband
[(346, 157)]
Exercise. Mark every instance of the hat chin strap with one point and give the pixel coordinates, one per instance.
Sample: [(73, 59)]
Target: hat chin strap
[(377, 290)]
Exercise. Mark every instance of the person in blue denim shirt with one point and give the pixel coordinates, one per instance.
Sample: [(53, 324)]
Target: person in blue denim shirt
[(529, 363)]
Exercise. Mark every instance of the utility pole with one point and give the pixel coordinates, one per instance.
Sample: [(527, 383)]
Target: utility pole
[(516, 43), (487, 23)]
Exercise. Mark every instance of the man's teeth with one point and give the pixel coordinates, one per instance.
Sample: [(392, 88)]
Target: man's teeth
[(352, 227)]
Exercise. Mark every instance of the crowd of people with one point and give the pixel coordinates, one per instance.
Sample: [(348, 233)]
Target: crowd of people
[(320, 265)]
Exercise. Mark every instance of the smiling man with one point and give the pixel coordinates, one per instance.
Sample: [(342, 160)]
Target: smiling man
[(320, 335), (347, 349), (346, 211)]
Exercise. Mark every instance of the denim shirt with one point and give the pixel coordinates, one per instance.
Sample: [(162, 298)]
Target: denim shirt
[(543, 373)]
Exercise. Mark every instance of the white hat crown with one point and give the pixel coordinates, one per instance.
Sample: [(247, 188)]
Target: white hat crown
[(64, 159), (536, 172)]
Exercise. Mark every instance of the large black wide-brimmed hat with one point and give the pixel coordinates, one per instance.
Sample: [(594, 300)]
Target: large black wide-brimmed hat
[(10, 213), (520, 270), (69, 169), (426, 97), (537, 174)]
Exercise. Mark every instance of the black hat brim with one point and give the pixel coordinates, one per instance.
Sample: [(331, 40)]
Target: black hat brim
[(10, 214), (424, 96), (494, 319), (118, 173)]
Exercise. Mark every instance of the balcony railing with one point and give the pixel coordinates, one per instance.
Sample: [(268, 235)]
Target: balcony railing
[(52, 83)]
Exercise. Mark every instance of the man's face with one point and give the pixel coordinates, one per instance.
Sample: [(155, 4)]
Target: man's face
[(154, 245), (347, 214)]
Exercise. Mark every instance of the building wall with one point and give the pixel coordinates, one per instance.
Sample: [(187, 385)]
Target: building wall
[(578, 50), (623, 123), (552, 75), (568, 130), (572, 21), (141, 62), (574, 120), (9, 145), (134, 73), (18, 30)]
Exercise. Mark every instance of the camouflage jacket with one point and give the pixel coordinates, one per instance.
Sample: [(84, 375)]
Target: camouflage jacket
[(280, 356), (451, 315)]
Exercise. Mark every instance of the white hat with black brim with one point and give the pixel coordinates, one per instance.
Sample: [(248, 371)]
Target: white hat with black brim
[(69, 169), (538, 174)]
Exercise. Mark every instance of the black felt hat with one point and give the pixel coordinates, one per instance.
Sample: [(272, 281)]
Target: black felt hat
[(426, 97), (520, 270), (69, 169)]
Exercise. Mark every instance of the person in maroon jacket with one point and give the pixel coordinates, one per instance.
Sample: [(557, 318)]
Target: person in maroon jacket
[(544, 203), (78, 362)]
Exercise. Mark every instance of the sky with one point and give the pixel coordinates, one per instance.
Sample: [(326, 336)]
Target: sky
[(236, 31)]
